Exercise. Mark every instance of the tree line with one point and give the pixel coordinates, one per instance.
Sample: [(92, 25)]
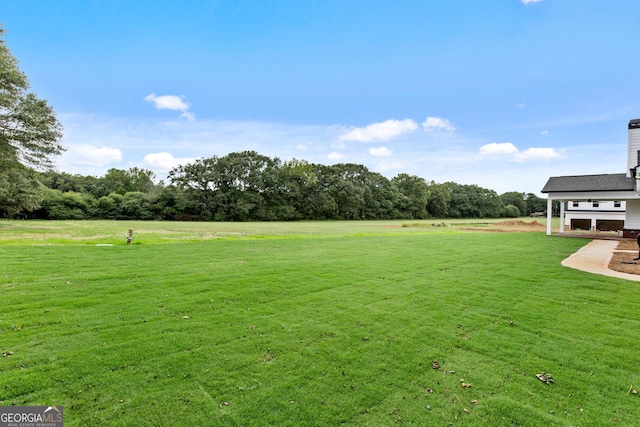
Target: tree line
[(248, 186)]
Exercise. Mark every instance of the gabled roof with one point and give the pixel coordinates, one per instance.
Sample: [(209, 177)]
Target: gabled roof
[(586, 183)]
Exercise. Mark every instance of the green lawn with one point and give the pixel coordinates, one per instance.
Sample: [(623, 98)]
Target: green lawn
[(327, 323)]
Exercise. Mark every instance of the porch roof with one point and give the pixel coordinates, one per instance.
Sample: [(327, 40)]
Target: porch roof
[(589, 183)]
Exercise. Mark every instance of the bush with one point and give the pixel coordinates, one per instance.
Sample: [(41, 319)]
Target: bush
[(511, 211), (69, 205)]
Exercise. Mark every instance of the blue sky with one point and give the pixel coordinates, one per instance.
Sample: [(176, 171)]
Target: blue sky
[(500, 93)]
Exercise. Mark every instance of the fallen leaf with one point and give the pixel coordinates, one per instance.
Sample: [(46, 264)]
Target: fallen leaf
[(545, 377)]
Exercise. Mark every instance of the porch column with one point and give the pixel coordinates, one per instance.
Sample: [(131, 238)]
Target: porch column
[(549, 204), (562, 202)]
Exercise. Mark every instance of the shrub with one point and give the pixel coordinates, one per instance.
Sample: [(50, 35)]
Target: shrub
[(511, 211)]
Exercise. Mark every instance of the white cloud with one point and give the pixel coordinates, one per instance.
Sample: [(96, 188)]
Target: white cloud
[(528, 155), (335, 156), (382, 131), (530, 1), (536, 154), (434, 124), (171, 102), (163, 162), (188, 115), (520, 105), (498, 149), (380, 152), (167, 102), (544, 132), (89, 155)]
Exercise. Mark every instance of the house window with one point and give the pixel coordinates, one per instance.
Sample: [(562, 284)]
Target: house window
[(596, 204), (576, 204), (617, 204)]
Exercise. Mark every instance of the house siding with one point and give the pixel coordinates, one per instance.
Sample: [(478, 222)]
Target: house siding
[(632, 219), (634, 148)]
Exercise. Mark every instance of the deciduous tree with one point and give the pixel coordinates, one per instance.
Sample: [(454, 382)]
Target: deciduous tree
[(29, 136), (415, 194), (29, 130), (516, 199)]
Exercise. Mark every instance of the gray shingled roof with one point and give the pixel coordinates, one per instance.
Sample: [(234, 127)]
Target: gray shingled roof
[(585, 183)]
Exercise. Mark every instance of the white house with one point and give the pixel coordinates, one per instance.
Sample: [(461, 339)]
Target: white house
[(591, 201)]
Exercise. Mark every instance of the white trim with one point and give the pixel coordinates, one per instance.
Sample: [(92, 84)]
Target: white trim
[(595, 195), (549, 216)]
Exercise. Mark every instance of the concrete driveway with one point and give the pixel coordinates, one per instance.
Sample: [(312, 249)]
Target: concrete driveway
[(594, 258)]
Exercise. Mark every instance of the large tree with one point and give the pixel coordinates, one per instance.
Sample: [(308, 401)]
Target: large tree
[(415, 192), (123, 181), (29, 132), (240, 186), (516, 199)]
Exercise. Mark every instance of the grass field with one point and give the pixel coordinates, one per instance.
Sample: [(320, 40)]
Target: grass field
[(326, 323), (147, 232)]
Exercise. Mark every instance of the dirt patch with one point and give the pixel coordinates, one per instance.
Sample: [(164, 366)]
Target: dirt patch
[(509, 226), (627, 245), (490, 230), (623, 257), (520, 223)]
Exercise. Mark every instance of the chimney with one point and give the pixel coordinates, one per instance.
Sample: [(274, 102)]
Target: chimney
[(633, 158)]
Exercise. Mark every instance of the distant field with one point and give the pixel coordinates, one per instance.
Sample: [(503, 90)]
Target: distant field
[(328, 323), (146, 232)]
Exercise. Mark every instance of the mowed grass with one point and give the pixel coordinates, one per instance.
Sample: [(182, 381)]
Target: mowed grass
[(317, 328)]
